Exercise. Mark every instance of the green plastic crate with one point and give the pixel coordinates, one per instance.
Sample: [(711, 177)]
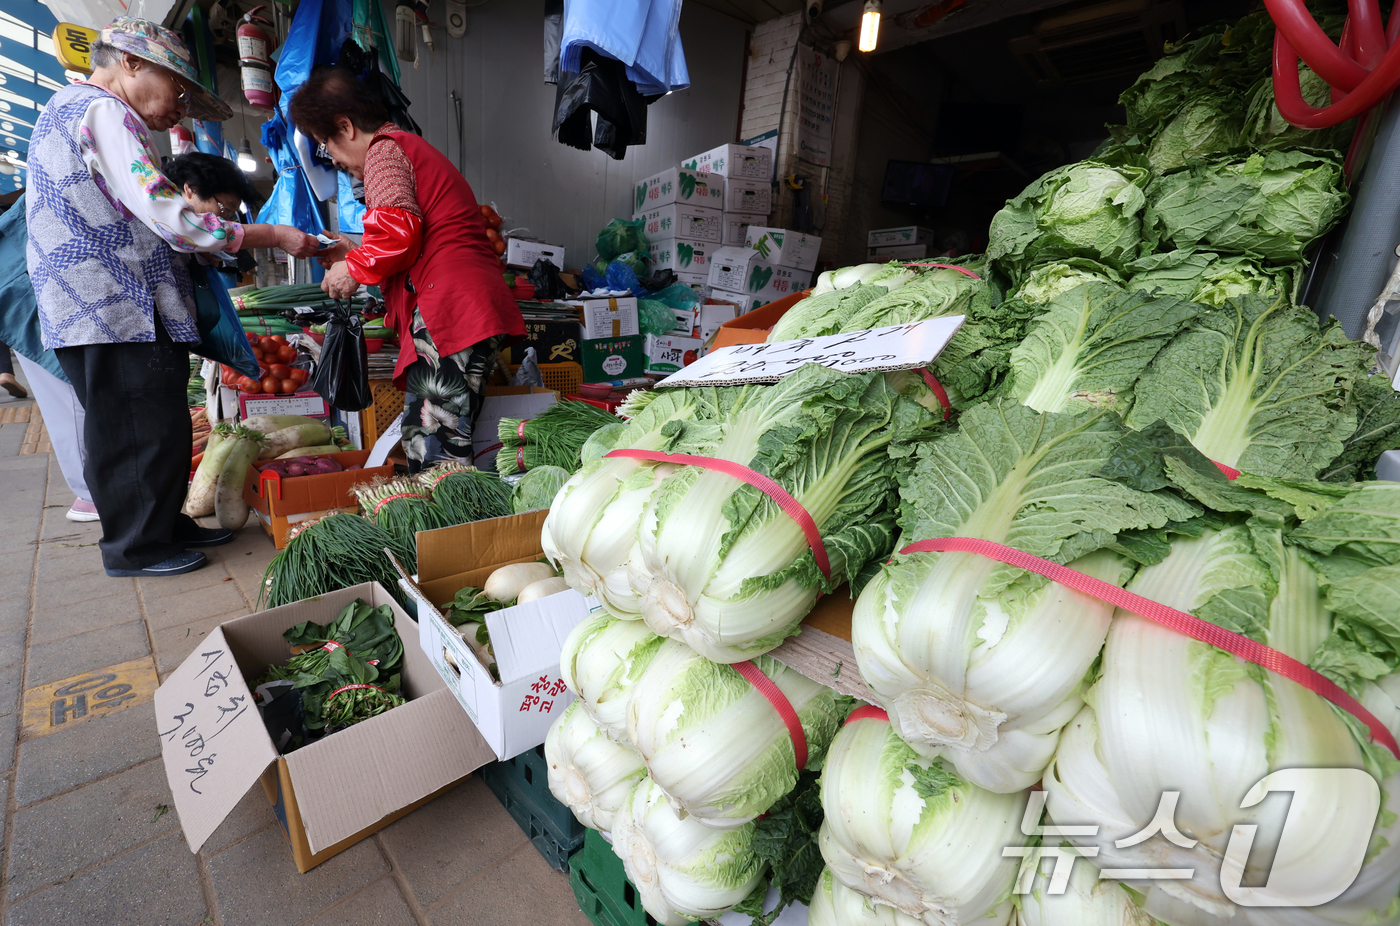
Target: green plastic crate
[(521, 784), (601, 887)]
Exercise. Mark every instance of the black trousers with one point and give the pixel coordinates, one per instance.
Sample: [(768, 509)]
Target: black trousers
[(6, 364), (139, 441)]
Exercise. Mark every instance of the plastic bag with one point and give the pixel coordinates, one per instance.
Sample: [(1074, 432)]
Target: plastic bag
[(622, 278), (544, 276), (342, 375), (592, 279), (658, 280), (221, 336), (528, 373), (655, 317), (637, 260), (677, 296), (620, 236)]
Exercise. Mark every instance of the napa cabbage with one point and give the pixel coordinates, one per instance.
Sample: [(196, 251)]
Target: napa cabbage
[(1044, 283), (588, 772)]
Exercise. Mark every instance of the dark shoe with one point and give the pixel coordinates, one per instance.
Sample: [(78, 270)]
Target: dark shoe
[(12, 386), (205, 537), (177, 565)]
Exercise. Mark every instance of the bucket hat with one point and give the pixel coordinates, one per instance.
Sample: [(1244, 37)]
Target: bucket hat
[(158, 45)]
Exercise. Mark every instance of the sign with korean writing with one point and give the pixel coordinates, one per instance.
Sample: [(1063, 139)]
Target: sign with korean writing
[(212, 737), (73, 46), (816, 105), (898, 347)]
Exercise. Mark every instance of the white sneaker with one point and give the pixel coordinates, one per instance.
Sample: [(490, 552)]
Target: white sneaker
[(82, 510)]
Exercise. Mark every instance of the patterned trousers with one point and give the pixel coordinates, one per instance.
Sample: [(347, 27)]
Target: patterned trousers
[(444, 398)]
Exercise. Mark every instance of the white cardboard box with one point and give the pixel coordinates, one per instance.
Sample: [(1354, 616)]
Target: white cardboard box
[(741, 303), (744, 161), (678, 185), (736, 226), (696, 281), (784, 246), (898, 252), (504, 402), (669, 353), (515, 713), (328, 794), (684, 221), (608, 316), (680, 256), (523, 252), (687, 322), (905, 234), (741, 270), (751, 197), (712, 315)]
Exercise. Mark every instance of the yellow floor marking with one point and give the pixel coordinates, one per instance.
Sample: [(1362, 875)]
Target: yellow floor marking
[(71, 701)]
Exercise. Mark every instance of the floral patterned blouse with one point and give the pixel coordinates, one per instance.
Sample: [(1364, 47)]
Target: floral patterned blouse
[(117, 148)]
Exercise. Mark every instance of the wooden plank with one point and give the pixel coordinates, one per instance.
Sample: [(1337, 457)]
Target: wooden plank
[(826, 659)]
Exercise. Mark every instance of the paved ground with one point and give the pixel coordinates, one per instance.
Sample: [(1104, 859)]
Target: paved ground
[(90, 833)]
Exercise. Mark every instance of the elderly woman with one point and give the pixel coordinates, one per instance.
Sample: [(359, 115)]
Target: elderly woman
[(425, 246), (115, 305)]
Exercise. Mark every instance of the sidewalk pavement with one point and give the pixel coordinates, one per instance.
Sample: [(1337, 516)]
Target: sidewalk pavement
[(91, 837)]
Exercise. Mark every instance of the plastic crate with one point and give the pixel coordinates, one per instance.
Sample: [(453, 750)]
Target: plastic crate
[(388, 405), (561, 377), (521, 784), (601, 887)]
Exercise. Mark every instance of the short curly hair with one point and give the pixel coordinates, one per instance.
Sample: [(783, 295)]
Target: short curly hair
[(209, 175), (332, 92)]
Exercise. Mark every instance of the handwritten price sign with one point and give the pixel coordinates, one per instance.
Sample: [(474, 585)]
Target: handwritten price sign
[(212, 737), (898, 347)]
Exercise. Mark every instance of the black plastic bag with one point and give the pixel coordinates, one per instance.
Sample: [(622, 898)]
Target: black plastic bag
[(600, 86), (364, 62), (341, 376), (658, 280), (544, 276)]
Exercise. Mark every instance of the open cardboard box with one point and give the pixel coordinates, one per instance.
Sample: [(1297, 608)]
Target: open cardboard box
[(329, 794), (278, 501), (515, 713), (753, 327)]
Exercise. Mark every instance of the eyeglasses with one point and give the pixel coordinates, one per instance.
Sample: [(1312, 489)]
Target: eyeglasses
[(182, 93), (323, 152), (226, 212)]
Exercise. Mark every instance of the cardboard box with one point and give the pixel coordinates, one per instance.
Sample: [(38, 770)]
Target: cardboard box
[(678, 185), (281, 504), (515, 713), (783, 246), (753, 327), (305, 403), (736, 227), (523, 252), (611, 359), (905, 234), (898, 252), (505, 402), (687, 322), (739, 302), (669, 353), (696, 281), (751, 197), (740, 270), (743, 161), (680, 220), (329, 794), (608, 317), (675, 254), (553, 341), (714, 314)]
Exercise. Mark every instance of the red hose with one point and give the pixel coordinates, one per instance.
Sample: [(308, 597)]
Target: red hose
[(1302, 32), (1362, 71)]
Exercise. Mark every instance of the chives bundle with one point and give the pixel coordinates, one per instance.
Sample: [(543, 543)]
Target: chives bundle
[(402, 508), (464, 494), (330, 553), (554, 437)]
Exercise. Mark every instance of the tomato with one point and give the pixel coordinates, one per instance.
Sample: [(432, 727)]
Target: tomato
[(279, 339), (249, 385), (252, 338), (289, 386), (299, 376), (271, 384), (279, 370), (267, 345), (286, 353)]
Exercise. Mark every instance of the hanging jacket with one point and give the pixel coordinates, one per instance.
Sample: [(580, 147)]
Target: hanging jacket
[(19, 311), (643, 34)]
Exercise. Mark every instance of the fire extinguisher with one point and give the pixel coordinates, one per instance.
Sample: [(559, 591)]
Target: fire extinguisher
[(181, 140), (255, 60)]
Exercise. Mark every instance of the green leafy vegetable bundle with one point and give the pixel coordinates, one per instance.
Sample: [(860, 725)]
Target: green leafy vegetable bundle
[(464, 494), (402, 507), (330, 553), (554, 437)]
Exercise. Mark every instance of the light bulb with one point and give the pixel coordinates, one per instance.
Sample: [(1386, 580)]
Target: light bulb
[(870, 26), (246, 162)]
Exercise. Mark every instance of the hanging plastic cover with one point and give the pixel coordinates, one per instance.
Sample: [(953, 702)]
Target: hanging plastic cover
[(292, 202), (660, 63), (349, 212)]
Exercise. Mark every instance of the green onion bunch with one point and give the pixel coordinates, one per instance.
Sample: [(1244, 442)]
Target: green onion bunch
[(554, 437), (464, 494), (331, 553), (402, 508)]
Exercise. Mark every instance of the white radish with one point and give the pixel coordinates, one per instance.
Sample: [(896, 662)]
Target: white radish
[(543, 588), (228, 498), (311, 434), (199, 501), (307, 452), (506, 583), (270, 423)]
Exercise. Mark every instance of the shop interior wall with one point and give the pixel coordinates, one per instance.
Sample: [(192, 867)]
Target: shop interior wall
[(504, 146)]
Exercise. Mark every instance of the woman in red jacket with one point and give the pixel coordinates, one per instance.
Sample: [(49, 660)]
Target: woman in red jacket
[(425, 246)]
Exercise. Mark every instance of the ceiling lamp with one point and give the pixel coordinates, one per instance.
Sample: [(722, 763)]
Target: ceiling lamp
[(246, 162), (870, 26)]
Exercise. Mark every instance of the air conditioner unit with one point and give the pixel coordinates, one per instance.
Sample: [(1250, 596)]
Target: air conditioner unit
[(1103, 40)]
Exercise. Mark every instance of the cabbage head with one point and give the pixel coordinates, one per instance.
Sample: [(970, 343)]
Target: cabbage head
[(1210, 278), (1047, 281), (1088, 209), (1265, 128), (1207, 124)]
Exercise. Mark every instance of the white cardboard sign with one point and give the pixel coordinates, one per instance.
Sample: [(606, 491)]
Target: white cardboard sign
[(897, 347)]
